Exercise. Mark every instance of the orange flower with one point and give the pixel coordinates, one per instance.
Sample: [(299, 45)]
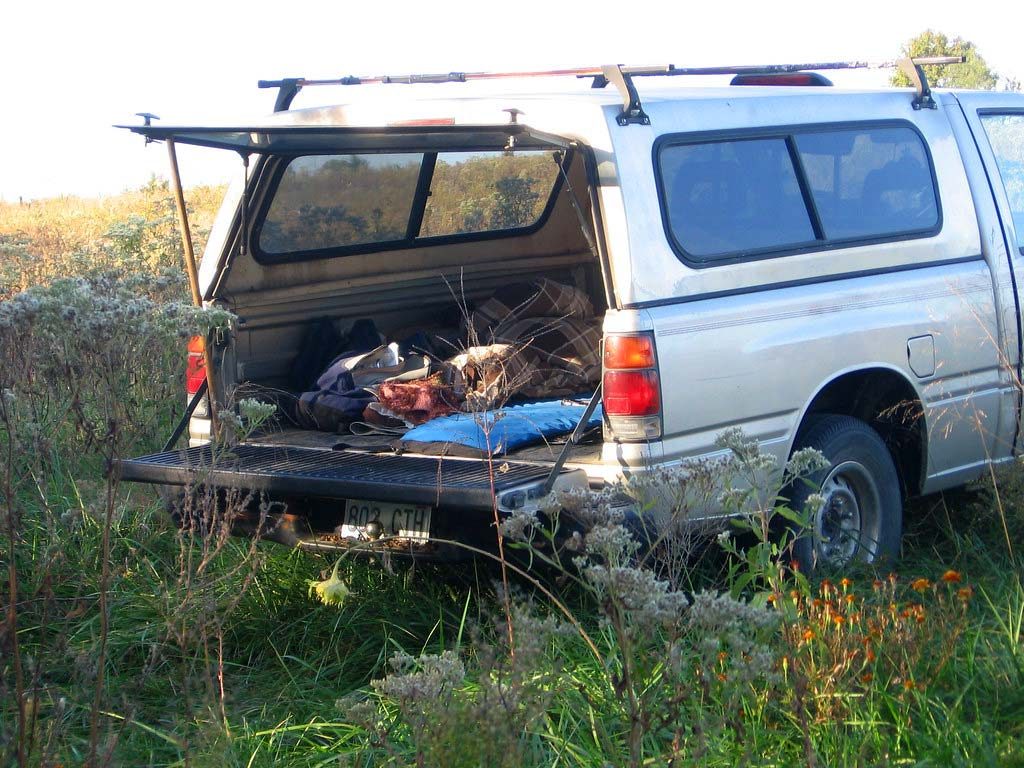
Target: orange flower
[(850, 598), (964, 593), (838, 618), (770, 599), (867, 677), (870, 655), (908, 685), (845, 583), (920, 585), (951, 577), (808, 635), (721, 678), (876, 585)]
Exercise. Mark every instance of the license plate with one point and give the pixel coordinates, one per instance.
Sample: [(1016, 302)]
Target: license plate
[(406, 521)]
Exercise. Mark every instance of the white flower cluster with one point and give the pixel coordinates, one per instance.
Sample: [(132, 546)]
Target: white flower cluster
[(254, 412), (717, 613), (103, 308), (519, 525), (725, 624), (611, 542), (805, 462), (422, 679), (647, 599)]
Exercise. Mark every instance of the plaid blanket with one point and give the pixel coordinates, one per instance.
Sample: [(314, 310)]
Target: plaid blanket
[(541, 298), (544, 341)]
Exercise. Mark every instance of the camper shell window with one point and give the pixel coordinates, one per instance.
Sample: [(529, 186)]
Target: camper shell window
[(333, 204), (773, 192)]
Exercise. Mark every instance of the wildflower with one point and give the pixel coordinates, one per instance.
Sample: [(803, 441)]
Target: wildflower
[(867, 677), (255, 412), (908, 685), (876, 585), (721, 677), (838, 619), (611, 541), (845, 583), (808, 635), (869, 655), (331, 591), (850, 599), (965, 593), (806, 461), (519, 524), (424, 679), (920, 585), (951, 577), (648, 599)]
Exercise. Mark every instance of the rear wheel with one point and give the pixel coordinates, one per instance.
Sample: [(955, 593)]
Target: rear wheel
[(861, 518)]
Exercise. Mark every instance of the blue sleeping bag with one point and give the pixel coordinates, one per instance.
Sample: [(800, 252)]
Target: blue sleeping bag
[(512, 427)]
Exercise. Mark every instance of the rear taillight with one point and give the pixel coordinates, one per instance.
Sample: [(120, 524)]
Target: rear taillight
[(195, 368), (631, 393), (631, 389)]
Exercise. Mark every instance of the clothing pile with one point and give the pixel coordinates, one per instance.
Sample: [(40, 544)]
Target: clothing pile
[(527, 341)]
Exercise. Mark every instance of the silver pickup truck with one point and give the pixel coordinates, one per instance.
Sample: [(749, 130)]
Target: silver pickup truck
[(816, 266)]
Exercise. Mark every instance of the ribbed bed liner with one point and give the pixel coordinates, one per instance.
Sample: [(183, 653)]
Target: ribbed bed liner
[(335, 474)]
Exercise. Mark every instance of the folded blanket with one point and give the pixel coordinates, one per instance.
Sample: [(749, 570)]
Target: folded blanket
[(500, 431)]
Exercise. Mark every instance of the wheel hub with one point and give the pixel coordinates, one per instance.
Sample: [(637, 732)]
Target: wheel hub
[(837, 525)]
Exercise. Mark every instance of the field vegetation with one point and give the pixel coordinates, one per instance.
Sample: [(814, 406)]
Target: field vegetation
[(127, 639)]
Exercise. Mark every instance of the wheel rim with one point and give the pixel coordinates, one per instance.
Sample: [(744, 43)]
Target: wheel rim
[(844, 526)]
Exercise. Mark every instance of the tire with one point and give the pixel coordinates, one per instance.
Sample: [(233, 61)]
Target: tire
[(862, 517)]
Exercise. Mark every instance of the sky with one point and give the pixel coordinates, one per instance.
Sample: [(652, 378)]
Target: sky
[(72, 70)]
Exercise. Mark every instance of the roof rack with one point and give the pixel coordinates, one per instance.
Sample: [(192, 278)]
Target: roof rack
[(622, 78)]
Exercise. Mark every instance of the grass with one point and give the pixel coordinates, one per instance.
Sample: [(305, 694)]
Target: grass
[(215, 654), (292, 667)]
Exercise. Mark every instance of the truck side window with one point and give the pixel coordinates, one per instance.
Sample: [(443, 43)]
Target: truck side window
[(727, 197), (1006, 136), (869, 183)]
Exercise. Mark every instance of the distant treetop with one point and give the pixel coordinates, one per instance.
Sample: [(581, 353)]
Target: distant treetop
[(973, 73)]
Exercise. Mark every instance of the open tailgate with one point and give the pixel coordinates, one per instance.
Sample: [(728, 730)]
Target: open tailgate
[(437, 481)]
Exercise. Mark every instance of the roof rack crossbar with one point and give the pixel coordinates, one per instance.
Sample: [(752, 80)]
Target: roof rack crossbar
[(622, 76)]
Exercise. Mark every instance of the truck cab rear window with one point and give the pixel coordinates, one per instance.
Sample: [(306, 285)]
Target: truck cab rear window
[(332, 203), (726, 200)]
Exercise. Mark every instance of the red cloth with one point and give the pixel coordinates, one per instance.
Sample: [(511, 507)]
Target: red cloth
[(418, 401)]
